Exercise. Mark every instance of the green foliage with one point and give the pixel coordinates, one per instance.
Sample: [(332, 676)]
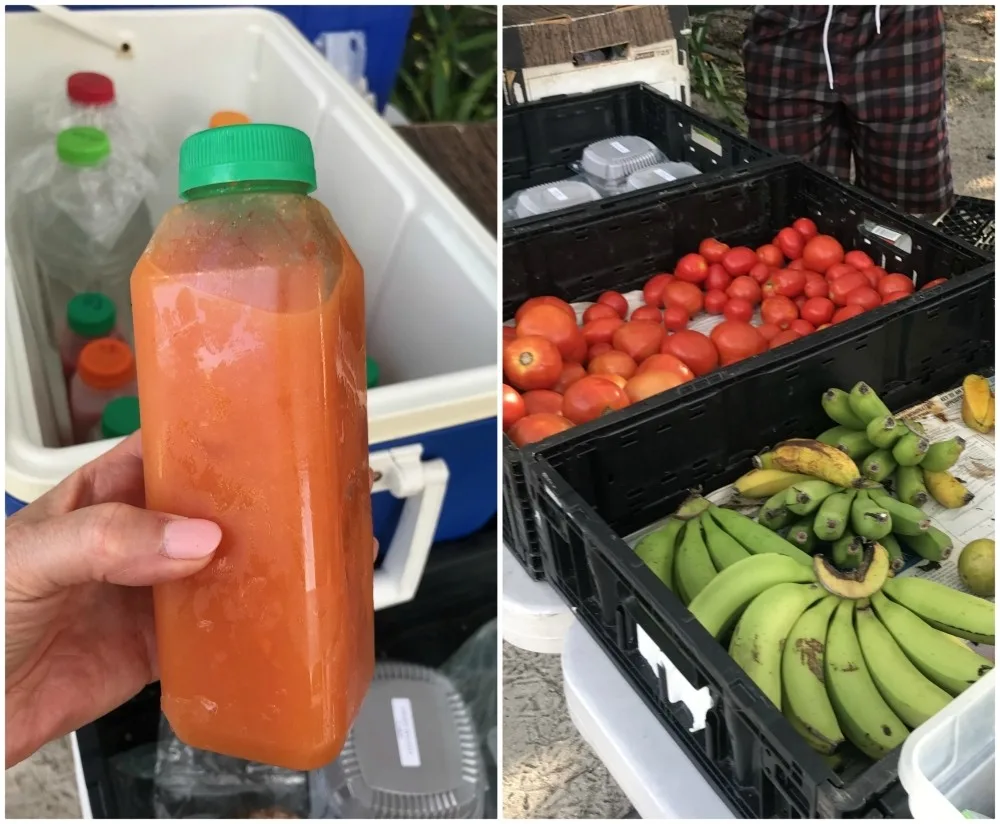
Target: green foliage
[(706, 77), (449, 70)]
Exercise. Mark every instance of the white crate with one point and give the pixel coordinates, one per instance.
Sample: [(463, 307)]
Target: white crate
[(948, 764), (430, 267)]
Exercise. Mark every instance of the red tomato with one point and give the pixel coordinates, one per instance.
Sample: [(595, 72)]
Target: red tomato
[(815, 286), (818, 310), (736, 340), (779, 310), (509, 333), (543, 400), (740, 260), (638, 339), (823, 326), (800, 301), (713, 250), (838, 270), (782, 338), (738, 309), (597, 311), (651, 383), (571, 372), (544, 300), (675, 317), (805, 227), (533, 362), (693, 349), (894, 283), (796, 264), (552, 323), (761, 272), (771, 255), (665, 361), (597, 350), (874, 275), (532, 428), (843, 286), (686, 295), (650, 313), (788, 282), (863, 296), (897, 295), (616, 301), (715, 301), (768, 331), (932, 283), (613, 363), (791, 243), (691, 269), (652, 292), (858, 259), (601, 330), (718, 278), (745, 287), (513, 407), (822, 252), (617, 380), (847, 312), (803, 327), (591, 397)]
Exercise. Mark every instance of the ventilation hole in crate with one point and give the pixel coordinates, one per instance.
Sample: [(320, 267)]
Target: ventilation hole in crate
[(614, 227), (861, 347)]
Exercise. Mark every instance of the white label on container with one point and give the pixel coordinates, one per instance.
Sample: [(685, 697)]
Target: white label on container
[(887, 234), (698, 702), (621, 147), (406, 732), (557, 193), (706, 141), (664, 174)]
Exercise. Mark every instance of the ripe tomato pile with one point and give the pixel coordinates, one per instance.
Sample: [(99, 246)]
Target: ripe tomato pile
[(560, 373)]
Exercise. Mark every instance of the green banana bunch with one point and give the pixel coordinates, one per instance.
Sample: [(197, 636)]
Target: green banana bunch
[(693, 567)]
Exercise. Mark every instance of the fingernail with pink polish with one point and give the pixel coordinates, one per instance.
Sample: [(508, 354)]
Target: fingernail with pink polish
[(189, 539)]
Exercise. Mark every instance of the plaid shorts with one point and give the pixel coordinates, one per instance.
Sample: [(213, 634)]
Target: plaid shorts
[(886, 109)]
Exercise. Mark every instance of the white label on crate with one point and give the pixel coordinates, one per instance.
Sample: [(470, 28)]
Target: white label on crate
[(706, 141), (406, 732), (557, 193), (621, 147), (699, 702), (664, 174), (885, 233)]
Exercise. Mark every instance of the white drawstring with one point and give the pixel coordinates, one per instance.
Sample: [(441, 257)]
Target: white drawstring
[(826, 37), (826, 45)]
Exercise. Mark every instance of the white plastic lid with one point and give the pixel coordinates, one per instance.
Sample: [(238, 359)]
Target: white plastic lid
[(551, 197), (659, 174), (615, 158)]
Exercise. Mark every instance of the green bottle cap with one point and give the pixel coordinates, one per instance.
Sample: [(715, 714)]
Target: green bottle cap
[(246, 153), (120, 417), (371, 369), (91, 315), (83, 146)]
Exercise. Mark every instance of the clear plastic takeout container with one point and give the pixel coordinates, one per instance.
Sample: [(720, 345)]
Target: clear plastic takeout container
[(609, 162), (549, 197)]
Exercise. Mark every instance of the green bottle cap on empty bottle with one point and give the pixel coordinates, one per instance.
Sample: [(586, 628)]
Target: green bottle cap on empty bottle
[(372, 373), (91, 315), (120, 417), (82, 146)]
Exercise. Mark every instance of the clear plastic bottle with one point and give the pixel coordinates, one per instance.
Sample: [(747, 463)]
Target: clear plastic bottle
[(250, 341), (89, 225), (119, 419), (105, 371), (89, 316)]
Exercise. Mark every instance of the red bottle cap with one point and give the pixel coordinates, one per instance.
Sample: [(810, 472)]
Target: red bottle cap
[(90, 89)]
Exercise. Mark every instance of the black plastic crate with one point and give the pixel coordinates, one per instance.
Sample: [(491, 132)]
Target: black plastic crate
[(541, 139), (974, 220), (594, 484), (457, 595), (628, 242)]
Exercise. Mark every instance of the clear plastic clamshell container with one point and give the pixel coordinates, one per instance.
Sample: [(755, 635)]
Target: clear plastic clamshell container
[(550, 197), (609, 162), (657, 175)]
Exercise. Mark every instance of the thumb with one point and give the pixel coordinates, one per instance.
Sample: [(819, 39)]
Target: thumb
[(111, 542)]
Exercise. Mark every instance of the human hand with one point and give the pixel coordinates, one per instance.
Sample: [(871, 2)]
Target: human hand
[(79, 610)]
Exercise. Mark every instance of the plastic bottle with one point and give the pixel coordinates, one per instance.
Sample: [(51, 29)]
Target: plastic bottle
[(250, 341), (119, 419), (227, 118), (89, 225), (105, 371), (89, 316)]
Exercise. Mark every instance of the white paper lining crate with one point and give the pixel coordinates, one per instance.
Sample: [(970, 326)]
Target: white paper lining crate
[(430, 267)]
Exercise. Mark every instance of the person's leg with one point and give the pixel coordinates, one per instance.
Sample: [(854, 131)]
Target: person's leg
[(790, 106), (896, 99)]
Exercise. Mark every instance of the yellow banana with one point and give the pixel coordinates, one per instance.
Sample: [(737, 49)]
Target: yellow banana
[(946, 489), (763, 483), (809, 457), (978, 404)]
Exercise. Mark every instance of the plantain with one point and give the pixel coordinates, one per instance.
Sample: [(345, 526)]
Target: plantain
[(763, 483), (910, 449), (884, 431), (910, 487), (657, 550), (978, 404), (810, 457), (837, 405), (866, 404), (947, 490), (879, 465), (943, 455)]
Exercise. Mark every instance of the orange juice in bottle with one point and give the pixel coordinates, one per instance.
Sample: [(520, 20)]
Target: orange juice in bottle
[(250, 347)]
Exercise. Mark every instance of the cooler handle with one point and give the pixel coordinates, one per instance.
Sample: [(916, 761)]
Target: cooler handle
[(402, 472)]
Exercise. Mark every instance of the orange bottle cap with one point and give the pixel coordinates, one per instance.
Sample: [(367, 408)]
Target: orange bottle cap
[(106, 363), (227, 119)]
